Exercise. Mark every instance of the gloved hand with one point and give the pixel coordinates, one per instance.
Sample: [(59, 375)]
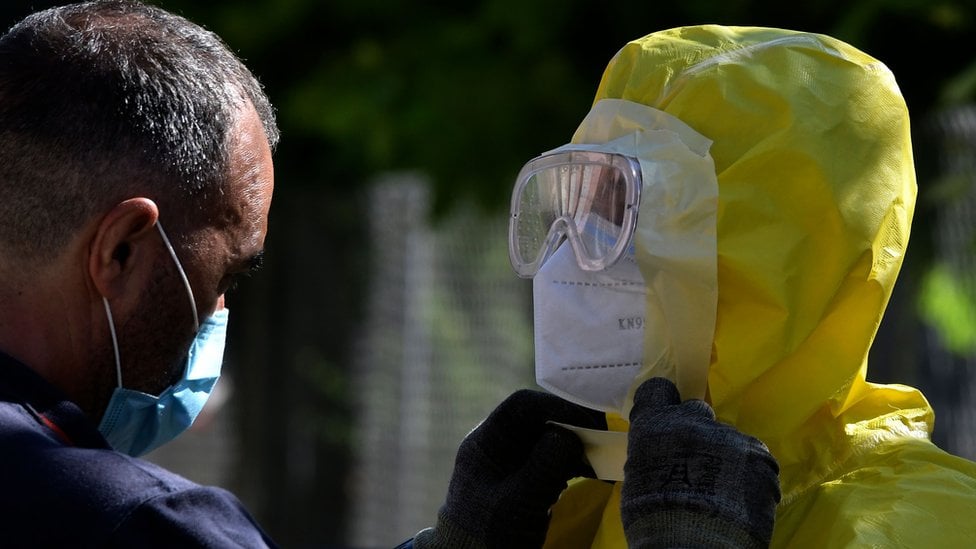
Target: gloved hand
[(509, 471), (690, 481)]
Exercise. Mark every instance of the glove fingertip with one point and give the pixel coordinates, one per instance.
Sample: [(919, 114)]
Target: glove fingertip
[(558, 452), (655, 393)]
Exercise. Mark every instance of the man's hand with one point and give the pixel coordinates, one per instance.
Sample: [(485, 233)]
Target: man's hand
[(691, 481), (509, 471)]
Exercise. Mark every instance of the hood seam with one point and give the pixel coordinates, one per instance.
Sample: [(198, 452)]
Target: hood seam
[(674, 85)]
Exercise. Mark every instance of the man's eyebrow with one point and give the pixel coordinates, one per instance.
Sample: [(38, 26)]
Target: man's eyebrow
[(255, 262)]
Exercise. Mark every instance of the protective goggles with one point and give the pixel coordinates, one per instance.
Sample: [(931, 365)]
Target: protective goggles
[(586, 197)]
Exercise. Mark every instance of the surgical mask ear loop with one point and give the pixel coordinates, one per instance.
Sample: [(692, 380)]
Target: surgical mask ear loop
[(189, 291), (186, 281), (115, 341)]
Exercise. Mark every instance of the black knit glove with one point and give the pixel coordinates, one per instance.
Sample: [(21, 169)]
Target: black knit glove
[(509, 471), (690, 481)]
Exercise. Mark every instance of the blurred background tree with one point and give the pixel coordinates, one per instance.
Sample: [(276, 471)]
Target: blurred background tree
[(460, 94)]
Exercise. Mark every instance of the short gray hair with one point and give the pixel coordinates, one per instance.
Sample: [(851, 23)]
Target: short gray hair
[(103, 99)]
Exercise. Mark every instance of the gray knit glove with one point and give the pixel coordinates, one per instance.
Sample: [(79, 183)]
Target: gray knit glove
[(690, 481), (509, 471)]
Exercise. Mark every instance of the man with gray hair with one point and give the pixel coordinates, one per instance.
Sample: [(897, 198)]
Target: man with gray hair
[(135, 182)]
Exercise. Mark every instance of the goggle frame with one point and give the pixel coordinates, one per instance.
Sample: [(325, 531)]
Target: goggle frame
[(566, 226)]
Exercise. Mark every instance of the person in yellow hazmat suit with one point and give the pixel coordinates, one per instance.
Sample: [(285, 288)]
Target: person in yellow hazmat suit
[(766, 278), (722, 234)]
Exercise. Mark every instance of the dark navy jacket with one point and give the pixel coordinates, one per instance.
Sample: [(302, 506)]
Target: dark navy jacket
[(61, 485)]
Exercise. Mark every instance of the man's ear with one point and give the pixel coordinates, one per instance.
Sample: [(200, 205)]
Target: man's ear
[(121, 240)]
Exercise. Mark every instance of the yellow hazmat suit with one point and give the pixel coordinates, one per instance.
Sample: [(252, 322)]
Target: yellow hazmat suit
[(816, 189)]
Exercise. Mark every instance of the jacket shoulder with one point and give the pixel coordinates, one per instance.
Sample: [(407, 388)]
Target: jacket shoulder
[(58, 495)]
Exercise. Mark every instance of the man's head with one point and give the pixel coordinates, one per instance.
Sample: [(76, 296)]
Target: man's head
[(114, 116), (104, 100)]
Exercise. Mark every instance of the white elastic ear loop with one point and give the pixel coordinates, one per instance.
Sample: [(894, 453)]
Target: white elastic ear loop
[(186, 281), (115, 341), (189, 291)]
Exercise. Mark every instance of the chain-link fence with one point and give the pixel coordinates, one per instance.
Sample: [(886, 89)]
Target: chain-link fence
[(447, 337)]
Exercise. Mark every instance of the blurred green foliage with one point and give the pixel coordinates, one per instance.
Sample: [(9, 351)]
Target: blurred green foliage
[(948, 302), (466, 92)]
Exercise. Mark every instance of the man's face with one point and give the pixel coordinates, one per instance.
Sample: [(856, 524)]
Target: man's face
[(233, 244), (227, 246)]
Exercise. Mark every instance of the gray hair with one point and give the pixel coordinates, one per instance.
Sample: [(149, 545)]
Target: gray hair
[(103, 99)]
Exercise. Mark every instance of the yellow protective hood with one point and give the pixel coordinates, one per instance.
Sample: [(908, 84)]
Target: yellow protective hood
[(810, 140), (816, 189)]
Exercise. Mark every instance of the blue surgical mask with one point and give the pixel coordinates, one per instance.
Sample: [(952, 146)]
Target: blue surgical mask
[(134, 422)]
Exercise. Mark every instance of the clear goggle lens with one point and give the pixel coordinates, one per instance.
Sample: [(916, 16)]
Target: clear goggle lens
[(588, 198)]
